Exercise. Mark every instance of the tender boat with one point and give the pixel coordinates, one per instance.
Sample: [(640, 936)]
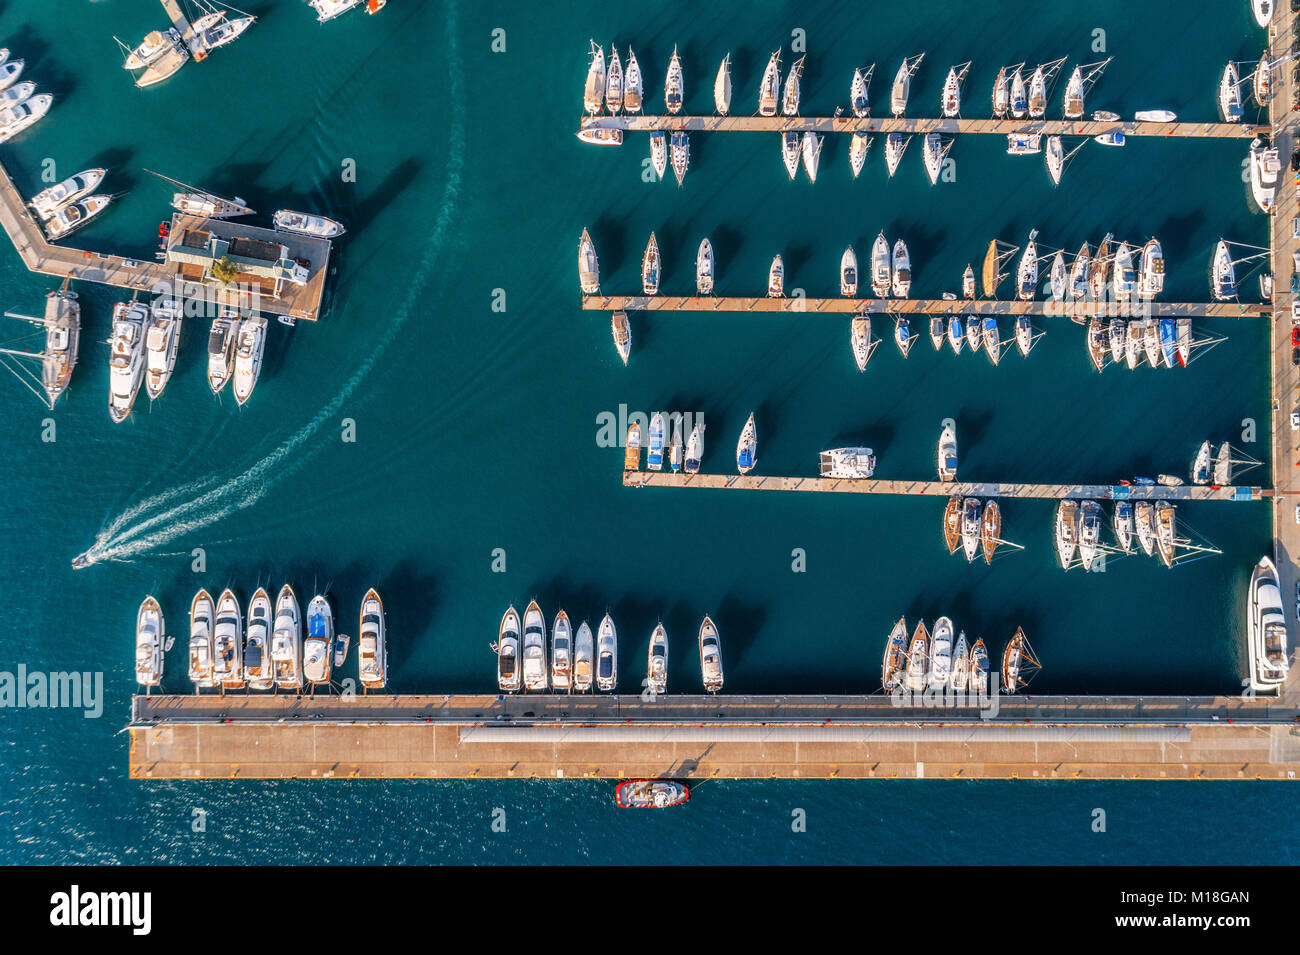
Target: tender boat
[(650, 267), (811, 149), (991, 339), (126, 358), (606, 655), (859, 144), (561, 652), (286, 641), (881, 273), (1165, 540), (372, 642), (673, 85), (657, 661), (162, 340), (588, 265), (304, 223), (594, 91), (960, 673), (1122, 522), (202, 673), (947, 456), (903, 335), (891, 668), (248, 356), (849, 273), (1089, 533), (978, 682), (722, 87), (918, 659), (1144, 518), (655, 441), (747, 446), (769, 89), (895, 146), (75, 215), (318, 647), (1266, 630), (1223, 282), (679, 151), (51, 200), (149, 638), (1067, 532), (902, 269), (956, 337), (858, 100), (710, 656), (991, 530), (790, 98), (971, 514), (1152, 282), (776, 278), (941, 654), (534, 649), (650, 793), (509, 675), (583, 656), (1264, 170), (1230, 108), (257, 643), (614, 83), (632, 88), (791, 150), (849, 464), (1027, 273), (222, 342), (694, 448), (622, 332)]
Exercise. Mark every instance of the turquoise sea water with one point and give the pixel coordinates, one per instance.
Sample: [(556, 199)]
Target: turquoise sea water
[(477, 429)]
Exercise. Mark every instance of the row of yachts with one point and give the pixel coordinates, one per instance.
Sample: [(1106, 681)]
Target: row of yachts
[(20, 105), (933, 661), (273, 648), (579, 660), (1079, 523)]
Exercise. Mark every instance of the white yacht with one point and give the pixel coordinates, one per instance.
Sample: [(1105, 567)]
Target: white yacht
[(655, 441), (1152, 282), (534, 649), (657, 661), (849, 273), (329, 9), (1037, 94), (956, 338), (1263, 10), (286, 641), (1118, 339), (1019, 102), (1264, 170), (149, 638), (1057, 277), (614, 83), (941, 654), (902, 85), (935, 149), (950, 99), (1263, 80), (747, 446), (162, 341), (1067, 532), (849, 464), (791, 149), (304, 223), (561, 652), (1027, 273), (1266, 630), (1001, 94), (622, 332), (860, 339), (222, 341), (1202, 467), (583, 656), (811, 149), (790, 98), (126, 358), (51, 200), (1123, 274), (201, 645), (673, 84), (960, 665), (971, 514), (588, 265), (858, 100), (722, 87), (632, 84), (992, 338), (258, 673), (248, 356), (1024, 334), (776, 278), (507, 646), (218, 32), (881, 273), (947, 456), (859, 144), (902, 270), (18, 93), (228, 643), (1089, 533), (679, 152), (372, 643), (974, 335), (154, 45), (606, 655), (1079, 273), (675, 445), (1144, 520), (769, 89), (694, 448), (895, 146), (1122, 522), (594, 89), (75, 215), (710, 656), (1055, 156), (318, 647), (1024, 144), (1230, 108), (704, 268)]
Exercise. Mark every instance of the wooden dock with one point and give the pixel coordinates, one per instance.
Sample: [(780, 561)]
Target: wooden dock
[(917, 306), (182, 25), (905, 124), (753, 482)]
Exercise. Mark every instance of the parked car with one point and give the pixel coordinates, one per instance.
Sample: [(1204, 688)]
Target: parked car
[(1295, 355), (1295, 421)]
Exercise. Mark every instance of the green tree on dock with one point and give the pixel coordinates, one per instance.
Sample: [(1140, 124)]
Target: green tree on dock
[(224, 271)]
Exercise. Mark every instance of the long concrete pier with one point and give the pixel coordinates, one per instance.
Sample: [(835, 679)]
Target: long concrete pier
[(907, 124), (754, 482), (915, 306)]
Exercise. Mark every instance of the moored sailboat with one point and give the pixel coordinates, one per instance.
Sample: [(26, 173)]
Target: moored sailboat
[(650, 267), (769, 88), (632, 84), (722, 87), (895, 659), (991, 530), (1067, 532), (747, 446), (673, 84), (881, 275)]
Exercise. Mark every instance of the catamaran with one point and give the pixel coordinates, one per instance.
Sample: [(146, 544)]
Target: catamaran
[(903, 337), (790, 98), (614, 83), (561, 652), (1089, 533), (694, 448), (971, 514), (1067, 532), (534, 649), (881, 274), (622, 332), (655, 442), (257, 658), (650, 267), (769, 89), (583, 656), (1144, 517), (305, 223), (606, 655), (811, 149), (849, 464), (632, 86), (1024, 144), (1266, 629), (722, 87), (776, 278), (710, 656), (991, 530), (222, 342), (51, 200), (318, 647), (1027, 273), (1264, 170), (941, 653), (588, 265), (72, 217), (149, 639), (201, 646), (903, 84), (895, 146), (286, 641), (126, 358), (918, 659), (679, 150), (509, 678), (791, 147), (747, 446), (858, 99), (673, 84), (1152, 282), (1230, 107), (902, 266), (935, 150), (859, 144), (594, 91), (849, 273), (891, 667), (950, 100), (947, 456), (248, 356), (656, 674), (1223, 279), (162, 340)]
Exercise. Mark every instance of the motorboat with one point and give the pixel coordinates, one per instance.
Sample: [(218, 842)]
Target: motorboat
[(509, 671), (1266, 639), (1265, 168), (318, 645), (309, 224), (1113, 138), (534, 664), (588, 265), (694, 448), (222, 342), (968, 283), (651, 267), (606, 655), (776, 278), (201, 669), (153, 46), (72, 217), (372, 642), (710, 656), (632, 448), (162, 340), (947, 456), (849, 273), (1263, 10), (849, 464), (747, 447), (49, 201), (584, 655), (126, 358), (258, 674), (286, 641), (881, 271), (941, 654), (657, 661), (902, 270), (650, 793), (655, 441), (1152, 281), (561, 652), (1155, 116), (248, 356), (149, 640), (622, 332)]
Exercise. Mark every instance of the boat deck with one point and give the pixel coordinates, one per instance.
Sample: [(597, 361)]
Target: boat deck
[(182, 25)]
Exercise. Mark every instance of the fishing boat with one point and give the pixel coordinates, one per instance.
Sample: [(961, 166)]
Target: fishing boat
[(1266, 630), (1168, 342), (248, 356), (632, 448), (1223, 465), (258, 674), (1263, 10), (162, 340), (950, 99), (968, 283), (1027, 273), (947, 456), (1123, 274), (903, 84), (655, 441), (1118, 339), (1265, 166), (72, 217), (1067, 532), (722, 87), (594, 91), (1122, 522), (971, 514), (952, 514), (991, 530), (1152, 282), (1055, 156), (622, 332), (149, 637), (656, 673), (126, 358), (588, 265), (673, 85), (1057, 278), (978, 680), (849, 273), (790, 98), (974, 333), (1001, 94), (606, 655), (881, 273), (286, 641), (1019, 101), (918, 659), (902, 270), (747, 446), (1165, 540), (991, 340), (694, 448), (935, 150), (584, 655), (222, 342), (1144, 516), (679, 150), (770, 88), (1024, 144), (1018, 663), (201, 667), (791, 149), (533, 653), (1089, 533), (859, 144), (710, 656), (858, 89), (1263, 85), (614, 83), (632, 84), (895, 146), (1230, 107), (650, 267), (1223, 279), (1024, 334), (849, 464), (1079, 271), (650, 793), (509, 676), (811, 149), (659, 152), (891, 668), (941, 654), (372, 642), (318, 646), (936, 331), (1202, 464), (776, 278), (561, 652), (956, 337), (49, 201), (959, 674), (675, 445), (1151, 342), (306, 223), (903, 335)]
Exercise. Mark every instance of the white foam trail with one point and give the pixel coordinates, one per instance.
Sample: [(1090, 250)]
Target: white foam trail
[(126, 537)]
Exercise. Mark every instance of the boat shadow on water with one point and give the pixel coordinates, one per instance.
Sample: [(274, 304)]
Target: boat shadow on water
[(39, 62)]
